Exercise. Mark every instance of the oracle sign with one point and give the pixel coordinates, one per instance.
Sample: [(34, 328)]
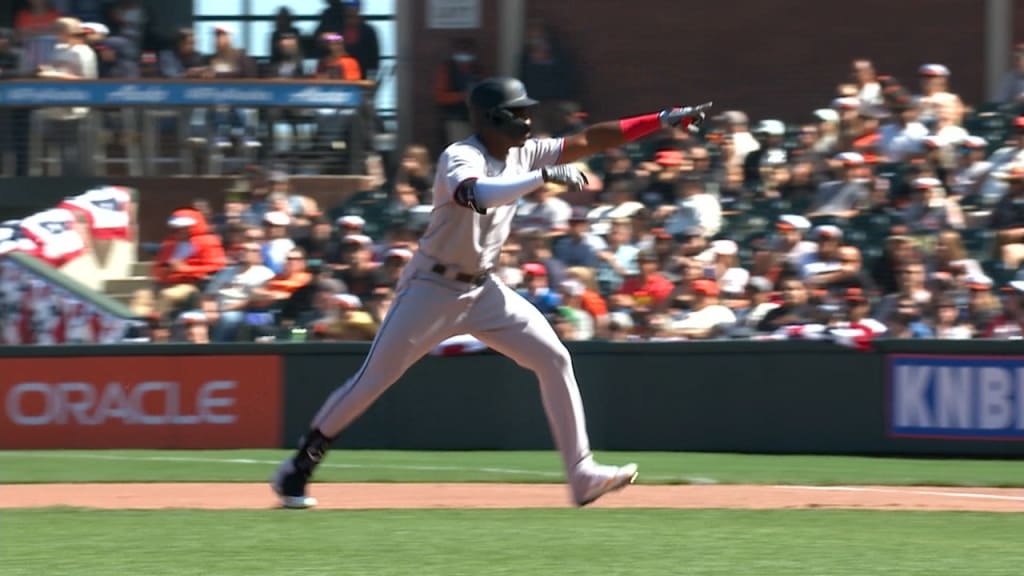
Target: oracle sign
[(141, 402), (41, 404)]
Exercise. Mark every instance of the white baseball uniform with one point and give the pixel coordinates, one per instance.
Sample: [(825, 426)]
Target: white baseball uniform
[(430, 307)]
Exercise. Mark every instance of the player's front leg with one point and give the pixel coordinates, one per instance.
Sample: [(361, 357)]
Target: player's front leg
[(514, 327)]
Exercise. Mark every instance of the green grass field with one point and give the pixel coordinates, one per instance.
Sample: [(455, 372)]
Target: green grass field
[(589, 542), (65, 541)]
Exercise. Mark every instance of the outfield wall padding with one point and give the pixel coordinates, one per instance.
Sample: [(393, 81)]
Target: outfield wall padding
[(768, 397)]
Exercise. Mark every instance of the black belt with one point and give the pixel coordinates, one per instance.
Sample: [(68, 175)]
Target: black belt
[(477, 279)]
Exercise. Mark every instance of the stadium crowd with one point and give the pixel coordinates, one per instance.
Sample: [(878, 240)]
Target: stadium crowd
[(883, 212), (895, 209)]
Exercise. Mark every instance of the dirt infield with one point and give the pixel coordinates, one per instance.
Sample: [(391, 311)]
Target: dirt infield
[(408, 496)]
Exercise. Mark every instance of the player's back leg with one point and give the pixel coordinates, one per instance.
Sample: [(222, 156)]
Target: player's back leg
[(421, 317)]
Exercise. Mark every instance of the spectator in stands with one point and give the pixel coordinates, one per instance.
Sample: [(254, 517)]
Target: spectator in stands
[(935, 95), (508, 269), (618, 260), (855, 312), (395, 260), (1008, 218), (284, 27), (227, 122), (904, 135), (361, 40), (183, 61), (949, 259), (661, 188), (983, 307), (544, 210), (312, 303), (537, 248), (536, 288), (548, 75), (707, 317), (414, 179), (899, 250), (906, 321), (359, 272), (846, 196), (912, 285), (620, 327), (788, 249), (318, 243), (36, 19), (827, 122), (193, 327), (971, 168), (452, 80), (618, 202), (994, 184), (771, 154), (72, 59), (279, 244), (760, 293), (724, 265), (1009, 325), (286, 61), (1012, 88), (282, 198), (583, 324), (795, 309), (833, 267), (742, 142), (294, 276), (332, 20), (130, 19), (580, 247), (693, 207), (116, 59), (337, 64), (869, 91), (231, 290), (188, 257), (947, 321), (930, 209), (646, 289)]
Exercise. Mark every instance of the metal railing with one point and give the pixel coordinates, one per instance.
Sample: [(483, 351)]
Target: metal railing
[(59, 127)]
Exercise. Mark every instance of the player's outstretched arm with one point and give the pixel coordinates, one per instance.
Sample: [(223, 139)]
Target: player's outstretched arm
[(605, 135)]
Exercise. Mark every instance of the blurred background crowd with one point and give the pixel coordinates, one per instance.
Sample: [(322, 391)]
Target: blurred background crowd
[(895, 207)]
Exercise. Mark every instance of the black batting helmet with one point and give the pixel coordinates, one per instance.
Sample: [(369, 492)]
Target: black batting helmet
[(494, 98)]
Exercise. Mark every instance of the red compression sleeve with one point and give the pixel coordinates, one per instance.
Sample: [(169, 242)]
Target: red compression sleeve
[(639, 126)]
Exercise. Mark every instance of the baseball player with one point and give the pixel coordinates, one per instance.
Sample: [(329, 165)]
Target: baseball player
[(450, 288)]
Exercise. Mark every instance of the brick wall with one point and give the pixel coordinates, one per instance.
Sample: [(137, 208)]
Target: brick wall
[(772, 58)]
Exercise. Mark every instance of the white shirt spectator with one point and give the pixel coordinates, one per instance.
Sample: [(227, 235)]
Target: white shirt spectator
[(277, 251), (898, 143), (701, 210), (744, 143), (235, 283), (706, 318), (552, 215)]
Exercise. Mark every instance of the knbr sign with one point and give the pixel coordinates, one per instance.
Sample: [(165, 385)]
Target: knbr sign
[(141, 402), (956, 397)]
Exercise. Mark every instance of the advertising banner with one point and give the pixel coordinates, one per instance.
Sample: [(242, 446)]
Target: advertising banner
[(156, 402), (155, 93), (956, 397)]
